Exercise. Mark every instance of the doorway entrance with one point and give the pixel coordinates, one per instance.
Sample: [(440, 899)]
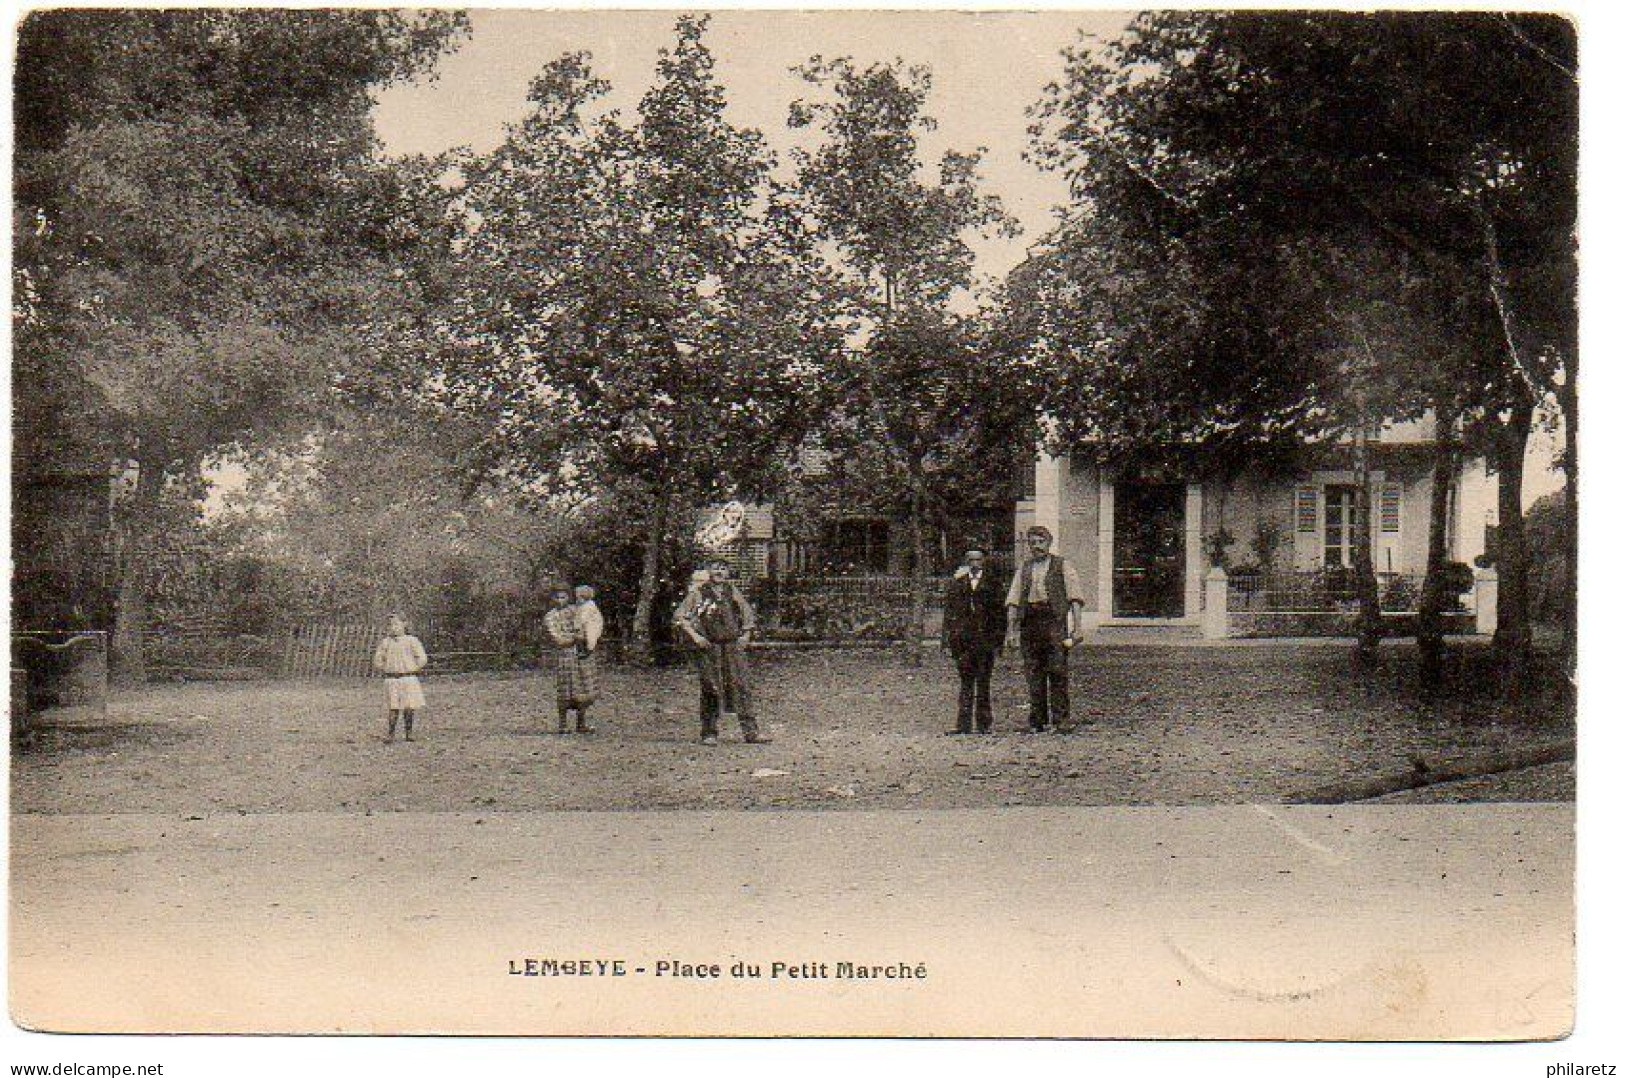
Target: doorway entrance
[(1148, 550)]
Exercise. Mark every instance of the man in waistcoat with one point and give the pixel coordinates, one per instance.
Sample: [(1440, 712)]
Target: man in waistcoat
[(1045, 604), (717, 621), (973, 632)]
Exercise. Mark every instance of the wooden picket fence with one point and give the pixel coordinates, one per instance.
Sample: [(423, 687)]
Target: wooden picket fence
[(344, 650), (340, 650)]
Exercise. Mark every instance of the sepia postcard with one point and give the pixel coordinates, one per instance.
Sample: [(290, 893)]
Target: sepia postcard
[(1019, 524)]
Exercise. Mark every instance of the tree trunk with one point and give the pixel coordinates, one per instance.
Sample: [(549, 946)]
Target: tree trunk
[(918, 578), (641, 646), (1569, 401), (1369, 633), (1513, 642), (1430, 609), (134, 538)]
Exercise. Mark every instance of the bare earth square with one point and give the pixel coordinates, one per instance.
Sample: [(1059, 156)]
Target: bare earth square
[(252, 857), (1156, 725)]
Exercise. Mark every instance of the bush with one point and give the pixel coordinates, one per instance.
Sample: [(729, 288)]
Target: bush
[(1400, 594), (1458, 581)]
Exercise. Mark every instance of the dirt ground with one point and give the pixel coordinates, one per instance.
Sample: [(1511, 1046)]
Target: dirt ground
[(1548, 782), (1156, 725)]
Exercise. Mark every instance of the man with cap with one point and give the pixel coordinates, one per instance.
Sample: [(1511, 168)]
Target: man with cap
[(716, 619), (1045, 604), (973, 632)]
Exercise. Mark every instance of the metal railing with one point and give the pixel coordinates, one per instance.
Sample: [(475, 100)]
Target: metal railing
[(1310, 591), (840, 608)]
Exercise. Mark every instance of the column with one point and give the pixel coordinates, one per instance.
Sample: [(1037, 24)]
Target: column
[(1216, 614), (1108, 527), (1047, 494), (1195, 561)]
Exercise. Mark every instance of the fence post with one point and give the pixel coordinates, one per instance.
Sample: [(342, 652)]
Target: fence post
[(1216, 607), (1486, 591)]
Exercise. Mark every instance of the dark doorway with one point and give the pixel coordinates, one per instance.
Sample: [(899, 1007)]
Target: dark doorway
[(1148, 551)]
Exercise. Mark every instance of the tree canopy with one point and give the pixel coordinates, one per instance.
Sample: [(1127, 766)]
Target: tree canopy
[(1359, 217), (643, 313), (1442, 145), (206, 241)]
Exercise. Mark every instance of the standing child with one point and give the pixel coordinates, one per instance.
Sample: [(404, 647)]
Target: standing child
[(576, 682), (400, 657)]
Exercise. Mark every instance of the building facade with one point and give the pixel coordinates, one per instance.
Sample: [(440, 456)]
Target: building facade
[(1142, 541)]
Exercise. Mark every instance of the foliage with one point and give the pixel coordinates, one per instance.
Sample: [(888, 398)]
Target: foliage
[(926, 414), (374, 516), (1377, 140), (377, 505), (1243, 259), (901, 237), (834, 610), (1401, 186), (929, 409), (1381, 126), (1269, 537), (642, 314), (1218, 544), (1154, 352), (205, 218), (637, 304), (206, 240)]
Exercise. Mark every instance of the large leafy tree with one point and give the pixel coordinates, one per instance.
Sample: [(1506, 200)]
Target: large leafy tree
[(207, 241), (1440, 147), (919, 407), (643, 315)]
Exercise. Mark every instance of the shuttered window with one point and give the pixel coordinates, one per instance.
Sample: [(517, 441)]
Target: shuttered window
[(1388, 513), (1306, 509)]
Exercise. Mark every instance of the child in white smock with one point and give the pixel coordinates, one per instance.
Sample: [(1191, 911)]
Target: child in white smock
[(400, 657)]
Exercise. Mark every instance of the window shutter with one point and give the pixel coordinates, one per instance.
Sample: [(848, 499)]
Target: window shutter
[(1305, 511), (1303, 508), (1450, 522), (1388, 513)]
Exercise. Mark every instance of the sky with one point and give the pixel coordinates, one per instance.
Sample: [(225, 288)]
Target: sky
[(988, 68)]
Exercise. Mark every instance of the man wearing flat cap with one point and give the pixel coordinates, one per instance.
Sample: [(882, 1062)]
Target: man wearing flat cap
[(716, 620), (1045, 605), (973, 632)]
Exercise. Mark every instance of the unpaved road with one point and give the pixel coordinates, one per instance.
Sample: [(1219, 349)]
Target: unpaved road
[(250, 857), (1357, 921), (1166, 725)]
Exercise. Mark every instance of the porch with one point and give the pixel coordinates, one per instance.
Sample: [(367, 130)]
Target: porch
[(1143, 543)]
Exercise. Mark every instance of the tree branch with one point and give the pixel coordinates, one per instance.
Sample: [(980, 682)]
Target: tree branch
[(1497, 280), (1539, 50)]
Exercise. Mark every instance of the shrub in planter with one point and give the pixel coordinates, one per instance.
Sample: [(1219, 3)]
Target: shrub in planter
[(1399, 595), (1458, 581)]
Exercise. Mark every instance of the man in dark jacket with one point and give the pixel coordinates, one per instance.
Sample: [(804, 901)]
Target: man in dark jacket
[(972, 632)]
